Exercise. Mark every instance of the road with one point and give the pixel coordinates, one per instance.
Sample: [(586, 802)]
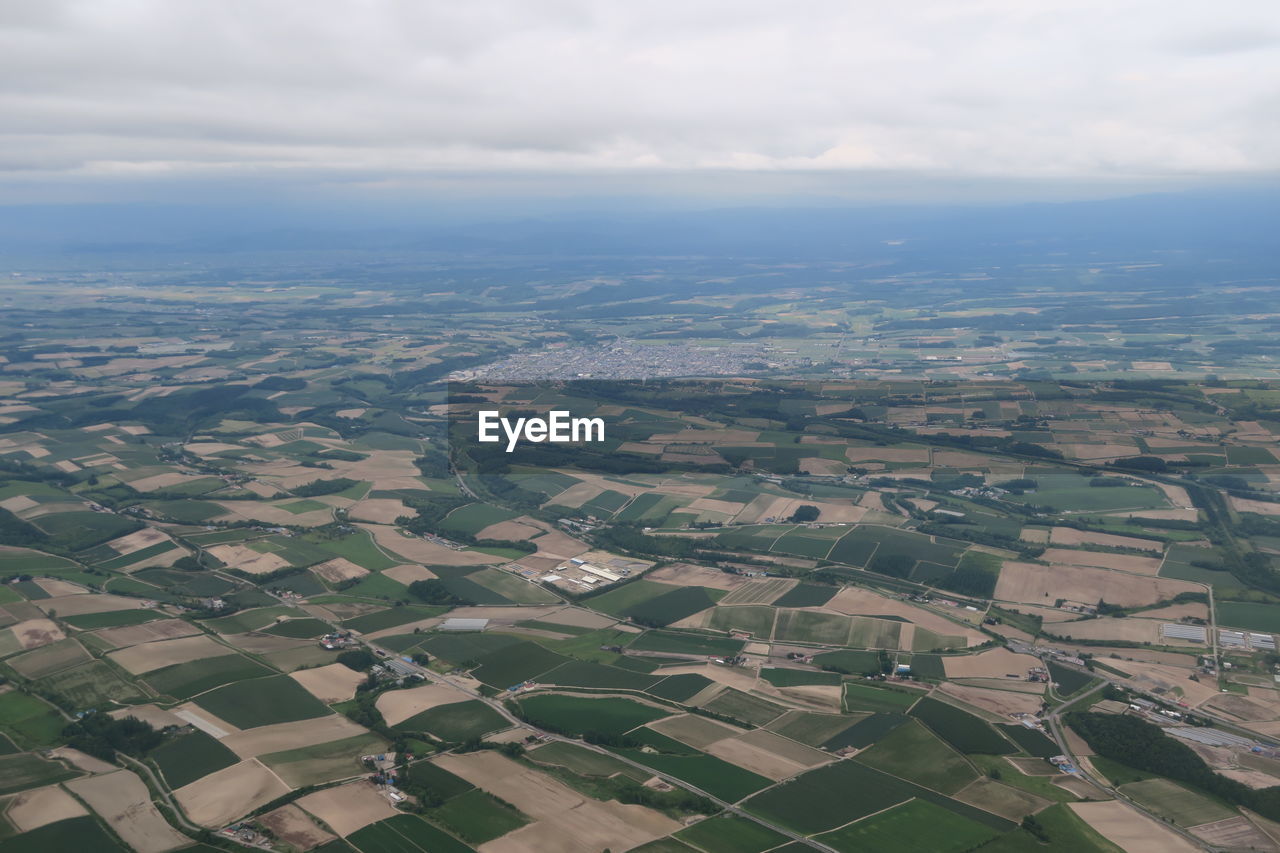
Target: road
[(1054, 722)]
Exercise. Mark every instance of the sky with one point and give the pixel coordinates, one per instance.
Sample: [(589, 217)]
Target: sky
[(110, 100)]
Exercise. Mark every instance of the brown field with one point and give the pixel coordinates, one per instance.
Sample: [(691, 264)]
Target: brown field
[(161, 653), (17, 503), (999, 702), (79, 605), (785, 747), (1006, 684), (139, 539), (221, 797), (1032, 766), (1148, 676), (295, 827), (47, 659), (1071, 536), (698, 732), (123, 801), (1260, 507), (155, 715), (34, 633), (1235, 833), (1131, 829), (580, 618), (1006, 801), (856, 601), (1174, 612), (248, 560), (1034, 584), (348, 807), (1098, 559), (83, 761), (379, 510), (33, 809), (751, 757), (759, 591), (408, 573), (162, 481), (989, 664), (512, 531), (820, 697), (281, 736), (332, 683), (1243, 708), (1034, 534), (1127, 630), (559, 546), (576, 495), (399, 705), (687, 574), (339, 569), (56, 587), (566, 821), (422, 551), (132, 635)]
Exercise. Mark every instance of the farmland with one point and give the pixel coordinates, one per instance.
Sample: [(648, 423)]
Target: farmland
[(805, 592)]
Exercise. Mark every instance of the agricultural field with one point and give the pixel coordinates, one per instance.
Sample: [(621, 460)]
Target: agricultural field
[(804, 596)]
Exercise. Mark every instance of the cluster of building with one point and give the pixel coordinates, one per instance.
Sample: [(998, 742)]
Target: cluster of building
[(385, 775), (592, 571), (620, 360), (337, 640)]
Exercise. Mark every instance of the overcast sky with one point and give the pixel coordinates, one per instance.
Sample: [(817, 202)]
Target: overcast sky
[(103, 97)]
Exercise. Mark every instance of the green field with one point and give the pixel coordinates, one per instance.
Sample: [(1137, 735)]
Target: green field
[(261, 702), (457, 722), (323, 762), (1067, 834), (680, 688), (391, 617), (806, 595), (811, 728), (729, 833), (472, 518), (403, 834), (959, 728), (186, 758), (686, 644), (819, 800), (755, 619), (1031, 741), (477, 817), (113, 619), (914, 753), (743, 706), (515, 663), (916, 825), (578, 673), (80, 530), (96, 684), (807, 626), (22, 770), (781, 677), (77, 833), (1173, 802), (184, 680), (718, 778), (866, 731), (1249, 615), (441, 782), (860, 696), (850, 661), (583, 761), (577, 715), (29, 720), (300, 628), (251, 620)]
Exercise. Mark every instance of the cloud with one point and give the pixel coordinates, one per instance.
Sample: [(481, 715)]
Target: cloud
[(389, 91)]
